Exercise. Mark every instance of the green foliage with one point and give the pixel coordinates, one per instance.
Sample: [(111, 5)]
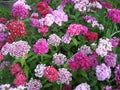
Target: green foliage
[(4, 13)]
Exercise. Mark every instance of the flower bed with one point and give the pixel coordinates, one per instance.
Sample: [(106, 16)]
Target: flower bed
[(60, 45)]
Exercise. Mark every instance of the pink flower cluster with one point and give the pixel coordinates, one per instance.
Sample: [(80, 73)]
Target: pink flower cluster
[(15, 68), (1, 57), (103, 72), (41, 47), (20, 78), (114, 15), (110, 59), (51, 74), (79, 60), (93, 22), (20, 9), (76, 29)]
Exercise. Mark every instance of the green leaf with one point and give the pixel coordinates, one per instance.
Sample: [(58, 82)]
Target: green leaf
[(47, 85), (75, 41)]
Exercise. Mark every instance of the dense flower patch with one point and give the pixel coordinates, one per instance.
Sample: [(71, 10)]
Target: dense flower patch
[(60, 45)]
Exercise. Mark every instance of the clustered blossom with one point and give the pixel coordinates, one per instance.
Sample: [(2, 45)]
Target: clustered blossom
[(110, 59), (107, 88), (76, 29), (34, 84), (43, 30), (3, 36), (51, 74), (114, 15), (41, 47), (54, 40), (85, 49), (59, 59), (4, 64), (91, 36), (103, 72), (1, 57), (60, 16), (103, 47), (64, 76), (117, 74), (83, 86), (17, 49), (2, 27), (94, 61), (34, 21), (16, 28), (66, 39), (20, 9), (20, 79), (39, 70), (43, 9), (114, 42), (9, 87), (106, 5), (86, 5), (2, 20), (79, 60), (93, 22), (15, 68)]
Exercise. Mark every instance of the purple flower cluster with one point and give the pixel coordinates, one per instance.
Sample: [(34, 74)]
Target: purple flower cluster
[(117, 75), (3, 36), (64, 76), (110, 59), (34, 84), (103, 72), (93, 22)]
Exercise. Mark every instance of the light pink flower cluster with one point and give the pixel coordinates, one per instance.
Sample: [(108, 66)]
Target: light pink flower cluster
[(60, 16), (76, 29), (41, 47), (59, 59), (57, 16), (114, 15), (2, 27), (85, 49), (51, 74), (93, 22), (82, 86), (54, 40), (103, 72), (103, 47), (20, 9), (66, 39), (17, 49), (39, 70), (86, 5), (64, 76)]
